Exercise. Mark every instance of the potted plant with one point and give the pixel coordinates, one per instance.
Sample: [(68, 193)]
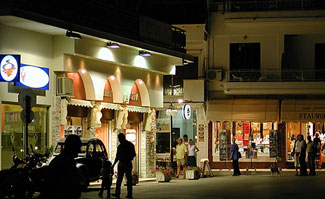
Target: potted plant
[(193, 173), (135, 178), (163, 174)]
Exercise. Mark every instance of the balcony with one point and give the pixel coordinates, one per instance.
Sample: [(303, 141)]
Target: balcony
[(275, 82), (99, 18), (298, 75), (265, 5)]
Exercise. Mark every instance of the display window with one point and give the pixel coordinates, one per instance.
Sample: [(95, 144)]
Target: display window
[(12, 132), (254, 140), (306, 129)]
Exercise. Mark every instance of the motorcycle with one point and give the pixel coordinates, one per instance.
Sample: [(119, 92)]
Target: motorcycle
[(23, 182)]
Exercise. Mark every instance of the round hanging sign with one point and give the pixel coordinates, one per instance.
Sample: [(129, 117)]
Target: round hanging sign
[(186, 112)]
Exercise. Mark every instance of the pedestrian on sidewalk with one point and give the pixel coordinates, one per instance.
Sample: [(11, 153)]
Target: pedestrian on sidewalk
[(106, 174), (181, 153), (300, 155), (124, 155), (192, 149), (311, 155), (234, 156)]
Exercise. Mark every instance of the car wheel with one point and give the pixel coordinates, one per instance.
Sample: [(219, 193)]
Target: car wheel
[(83, 178)]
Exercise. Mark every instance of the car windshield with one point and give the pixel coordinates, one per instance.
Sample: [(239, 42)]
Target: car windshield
[(60, 146)]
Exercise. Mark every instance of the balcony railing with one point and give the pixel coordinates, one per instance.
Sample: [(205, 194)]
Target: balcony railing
[(265, 5), (298, 75)]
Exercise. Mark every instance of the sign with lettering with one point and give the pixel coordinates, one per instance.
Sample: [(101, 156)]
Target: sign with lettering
[(34, 77), (9, 68)]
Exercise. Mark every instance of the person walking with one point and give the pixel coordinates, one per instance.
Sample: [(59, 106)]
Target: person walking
[(234, 156), (311, 151), (181, 153), (192, 149), (124, 155), (106, 173)]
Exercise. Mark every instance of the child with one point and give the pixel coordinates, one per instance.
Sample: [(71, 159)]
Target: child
[(106, 175)]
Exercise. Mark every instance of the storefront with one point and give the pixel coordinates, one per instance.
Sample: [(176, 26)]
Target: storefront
[(192, 126), (254, 125), (304, 117)]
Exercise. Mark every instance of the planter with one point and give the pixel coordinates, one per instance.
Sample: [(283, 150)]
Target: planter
[(192, 175), (160, 177), (135, 180)]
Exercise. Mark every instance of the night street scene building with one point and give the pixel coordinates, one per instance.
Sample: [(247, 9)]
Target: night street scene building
[(158, 70)]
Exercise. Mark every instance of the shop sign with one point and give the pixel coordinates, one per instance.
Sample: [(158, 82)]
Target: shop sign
[(34, 77), (311, 116), (186, 112), (9, 68)]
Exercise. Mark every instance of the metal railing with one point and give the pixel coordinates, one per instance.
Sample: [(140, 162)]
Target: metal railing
[(264, 5), (297, 75)]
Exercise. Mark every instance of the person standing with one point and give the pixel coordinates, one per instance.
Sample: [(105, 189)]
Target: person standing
[(311, 155), (300, 155), (124, 155), (181, 153), (106, 173), (192, 149), (234, 156), (63, 179)]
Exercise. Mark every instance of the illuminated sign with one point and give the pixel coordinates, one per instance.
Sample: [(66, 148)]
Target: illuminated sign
[(34, 77), (9, 68), (186, 112)]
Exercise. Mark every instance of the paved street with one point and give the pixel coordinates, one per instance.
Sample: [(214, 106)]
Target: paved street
[(229, 187)]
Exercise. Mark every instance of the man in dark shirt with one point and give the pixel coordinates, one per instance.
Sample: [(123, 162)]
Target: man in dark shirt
[(125, 154), (63, 179)]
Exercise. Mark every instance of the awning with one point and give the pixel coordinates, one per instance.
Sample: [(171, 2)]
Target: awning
[(83, 103), (111, 106), (138, 109), (254, 110), (303, 111)]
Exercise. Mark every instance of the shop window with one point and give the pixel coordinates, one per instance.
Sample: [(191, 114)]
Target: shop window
[(252, 138), (180, 128), (12, 132)]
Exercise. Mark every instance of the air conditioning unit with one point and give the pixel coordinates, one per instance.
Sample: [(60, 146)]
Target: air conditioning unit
[(215, 74), (64, 86)]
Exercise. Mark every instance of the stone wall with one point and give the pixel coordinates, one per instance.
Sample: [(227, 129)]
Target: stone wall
[(54, 136)]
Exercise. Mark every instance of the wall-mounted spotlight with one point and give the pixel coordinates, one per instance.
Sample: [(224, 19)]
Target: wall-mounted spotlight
[(73, 35), (144, 53), (112, 45), (185, 62)]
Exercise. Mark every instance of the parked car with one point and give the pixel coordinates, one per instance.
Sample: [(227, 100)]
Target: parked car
[(89, 160)]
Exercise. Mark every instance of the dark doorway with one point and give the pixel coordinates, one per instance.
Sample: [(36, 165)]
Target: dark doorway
[(245, 61), (175, 136), (320, 62)]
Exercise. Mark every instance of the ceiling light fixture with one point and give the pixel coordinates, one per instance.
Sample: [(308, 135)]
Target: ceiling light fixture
[(73, 35), (112, 45), (144, 53)]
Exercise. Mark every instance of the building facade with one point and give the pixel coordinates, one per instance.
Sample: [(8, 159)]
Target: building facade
[(94, 90), (264, 80)]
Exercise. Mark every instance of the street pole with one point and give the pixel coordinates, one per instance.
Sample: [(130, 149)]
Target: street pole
[(171, 143)]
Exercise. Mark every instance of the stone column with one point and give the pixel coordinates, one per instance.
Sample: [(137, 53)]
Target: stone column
[(148, 148), (56, 121)]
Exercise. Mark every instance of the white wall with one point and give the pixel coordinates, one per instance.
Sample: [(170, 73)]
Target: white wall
[(242, 28), (125, 55)]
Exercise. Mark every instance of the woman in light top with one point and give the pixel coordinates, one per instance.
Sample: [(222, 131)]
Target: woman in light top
[(192, 149)]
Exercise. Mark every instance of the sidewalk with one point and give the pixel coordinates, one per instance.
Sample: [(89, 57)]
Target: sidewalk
[(97, 183), (283, 172)]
